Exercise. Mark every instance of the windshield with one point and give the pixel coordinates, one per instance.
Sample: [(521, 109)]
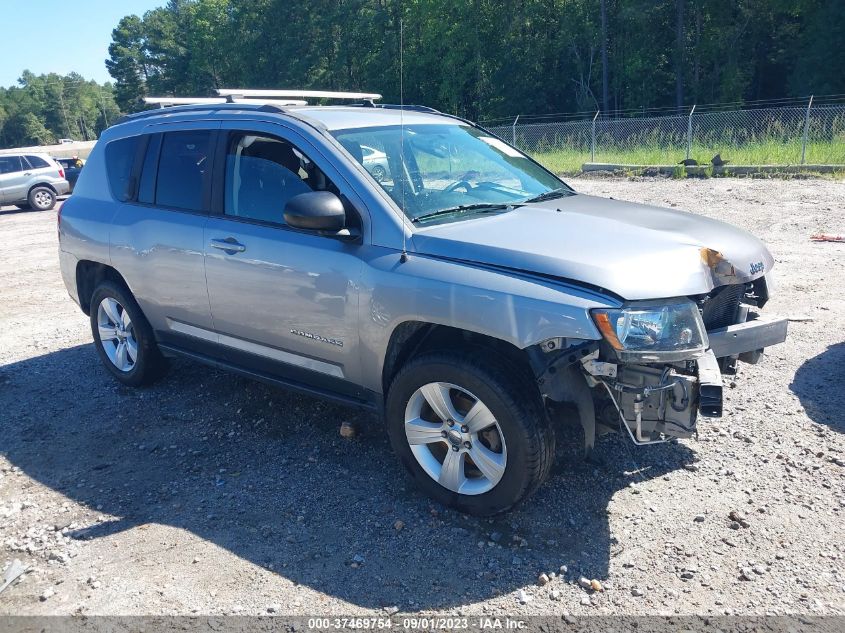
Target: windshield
[(449, 172)]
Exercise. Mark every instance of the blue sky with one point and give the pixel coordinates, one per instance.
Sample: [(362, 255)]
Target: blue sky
[(61, 36)]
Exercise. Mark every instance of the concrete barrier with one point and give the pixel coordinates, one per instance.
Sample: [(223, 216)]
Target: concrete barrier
[(62, 150)]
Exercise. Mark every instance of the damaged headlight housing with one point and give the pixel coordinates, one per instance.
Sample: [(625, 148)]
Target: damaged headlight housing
[(653, 333)]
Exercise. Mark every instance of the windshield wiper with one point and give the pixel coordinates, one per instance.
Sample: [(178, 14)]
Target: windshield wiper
[(480, 206), (549, 195)]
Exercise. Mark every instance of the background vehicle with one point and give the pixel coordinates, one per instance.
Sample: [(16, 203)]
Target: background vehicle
[(465, 298), (376, 163), (31, 181), (71, 170)]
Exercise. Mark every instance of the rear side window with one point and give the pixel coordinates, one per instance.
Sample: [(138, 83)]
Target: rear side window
[(37, 163), (120, 155), (182, 168), (10, 164)]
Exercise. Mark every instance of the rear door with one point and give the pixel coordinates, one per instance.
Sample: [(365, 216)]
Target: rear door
[(13, 179), (41, 167), (157, 235), (283, 301)]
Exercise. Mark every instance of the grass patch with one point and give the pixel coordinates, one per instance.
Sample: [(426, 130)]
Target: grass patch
[(770, 152)]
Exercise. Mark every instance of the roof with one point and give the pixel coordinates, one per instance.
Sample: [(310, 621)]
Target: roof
[(332, 117), (344, 117)]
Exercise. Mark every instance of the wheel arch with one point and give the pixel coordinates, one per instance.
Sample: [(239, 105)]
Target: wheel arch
[(89, 275), (553, 372), (411, 338), (41, 184)]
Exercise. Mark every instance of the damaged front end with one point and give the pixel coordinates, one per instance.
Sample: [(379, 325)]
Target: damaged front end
[(659, 364)]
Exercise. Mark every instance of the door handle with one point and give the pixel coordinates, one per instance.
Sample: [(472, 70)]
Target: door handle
[(29, 173), (230, 245)]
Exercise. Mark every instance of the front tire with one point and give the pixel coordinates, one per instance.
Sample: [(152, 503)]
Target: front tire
[(123, 337), (41, 198), (470, 429)]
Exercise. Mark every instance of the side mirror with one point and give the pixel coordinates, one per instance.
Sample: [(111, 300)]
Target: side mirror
[(316, 211)]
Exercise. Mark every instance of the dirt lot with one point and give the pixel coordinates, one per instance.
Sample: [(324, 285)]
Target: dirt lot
[(212, 494)]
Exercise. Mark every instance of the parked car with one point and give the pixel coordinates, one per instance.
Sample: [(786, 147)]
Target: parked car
[(464, 300), (66, 141), (72, 167), (31, 181), (376, 163)]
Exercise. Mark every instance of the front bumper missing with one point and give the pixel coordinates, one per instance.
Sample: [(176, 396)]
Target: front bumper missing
[(654, 402), (655, 406), (709, 386), (651, 412), (745, 337)]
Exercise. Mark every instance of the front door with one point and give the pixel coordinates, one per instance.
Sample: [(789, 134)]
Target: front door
[(13, 180), (283, 301)]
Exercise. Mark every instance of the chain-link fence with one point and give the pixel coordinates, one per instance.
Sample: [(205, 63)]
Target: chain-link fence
[(813, 134)]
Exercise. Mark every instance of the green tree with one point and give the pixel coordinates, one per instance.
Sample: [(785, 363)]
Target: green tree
[(126, 62), (488, 58), (818, 68), (42, 108), (27, 129)]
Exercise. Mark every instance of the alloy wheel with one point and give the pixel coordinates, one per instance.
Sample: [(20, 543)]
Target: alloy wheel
[(379, 173), (455, 438), (42, 199), (117, 336)]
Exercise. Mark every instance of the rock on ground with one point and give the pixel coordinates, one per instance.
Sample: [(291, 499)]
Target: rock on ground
[(209, 494)]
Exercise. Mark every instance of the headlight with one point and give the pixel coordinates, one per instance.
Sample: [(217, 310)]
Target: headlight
[(654, 333)]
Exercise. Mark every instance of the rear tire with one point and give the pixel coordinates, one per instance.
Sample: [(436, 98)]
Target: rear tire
[(379, 173), (123, 337), (486, 466), (41, 198)]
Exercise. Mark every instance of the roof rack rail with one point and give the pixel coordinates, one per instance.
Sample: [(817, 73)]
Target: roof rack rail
[(409, 108), (196, 107), (171, 101), (295, 94)]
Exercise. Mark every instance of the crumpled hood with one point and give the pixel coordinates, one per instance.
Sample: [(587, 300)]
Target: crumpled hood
[(633, 250)]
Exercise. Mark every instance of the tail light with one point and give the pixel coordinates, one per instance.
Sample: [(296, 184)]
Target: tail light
[(61, 173)]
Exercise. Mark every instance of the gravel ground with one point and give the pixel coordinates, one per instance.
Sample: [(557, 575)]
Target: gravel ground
[(211, 494)]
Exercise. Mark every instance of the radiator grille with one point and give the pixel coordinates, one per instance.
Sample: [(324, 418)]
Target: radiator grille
[(720, 308)]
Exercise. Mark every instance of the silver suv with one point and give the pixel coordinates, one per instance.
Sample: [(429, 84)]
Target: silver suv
[(31, 181), (466, 295)]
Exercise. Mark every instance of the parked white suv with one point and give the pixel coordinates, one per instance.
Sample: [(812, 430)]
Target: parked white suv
[(31, 181)]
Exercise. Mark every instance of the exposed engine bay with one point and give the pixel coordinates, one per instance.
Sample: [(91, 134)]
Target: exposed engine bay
[(657, 394), (652, 403)]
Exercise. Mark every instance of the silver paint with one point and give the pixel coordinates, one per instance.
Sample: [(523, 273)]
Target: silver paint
[(526, 276)]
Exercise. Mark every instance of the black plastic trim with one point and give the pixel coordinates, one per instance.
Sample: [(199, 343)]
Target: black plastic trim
[(368, 400)]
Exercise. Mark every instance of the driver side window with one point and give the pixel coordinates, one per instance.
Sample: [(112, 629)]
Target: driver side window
[(263, 173)]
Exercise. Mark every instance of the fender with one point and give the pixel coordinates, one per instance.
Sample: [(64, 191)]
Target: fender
[(514, 308)]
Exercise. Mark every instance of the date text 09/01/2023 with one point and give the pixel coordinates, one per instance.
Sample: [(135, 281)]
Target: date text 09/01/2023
[(417, 623)]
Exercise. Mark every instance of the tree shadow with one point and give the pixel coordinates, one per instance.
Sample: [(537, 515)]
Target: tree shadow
[(265, 474), (817, 384)]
